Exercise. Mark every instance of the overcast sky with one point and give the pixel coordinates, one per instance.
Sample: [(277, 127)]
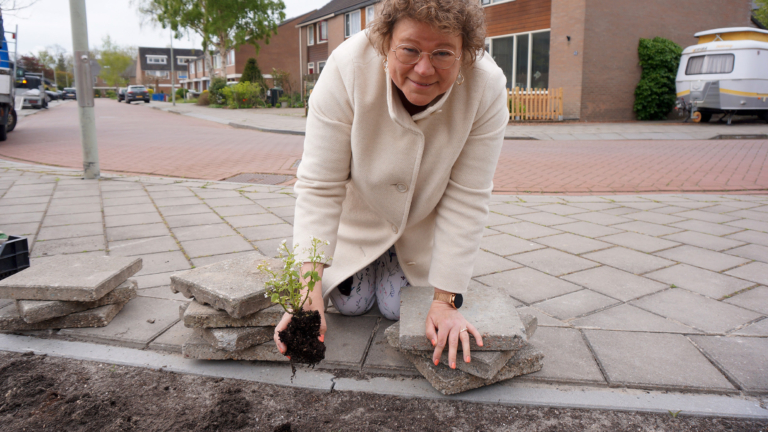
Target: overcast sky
[(47, 23)]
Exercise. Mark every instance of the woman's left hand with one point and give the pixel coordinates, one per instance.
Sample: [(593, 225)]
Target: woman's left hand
[(445, 325)]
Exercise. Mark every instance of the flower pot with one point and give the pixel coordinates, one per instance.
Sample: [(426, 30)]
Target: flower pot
[(283, 104)]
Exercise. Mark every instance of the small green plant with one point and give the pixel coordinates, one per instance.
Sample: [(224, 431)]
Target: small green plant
[(241, 95), (181, 93), (218, 84), (284, 287), (655, 93), (674, 413)]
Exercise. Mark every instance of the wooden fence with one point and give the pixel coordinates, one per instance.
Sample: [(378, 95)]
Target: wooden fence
[(535, 104)]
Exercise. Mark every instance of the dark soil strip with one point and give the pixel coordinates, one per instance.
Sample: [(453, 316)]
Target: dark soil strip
[(45, 393)]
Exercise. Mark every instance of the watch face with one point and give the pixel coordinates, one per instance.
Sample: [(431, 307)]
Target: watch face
[(458, 300)]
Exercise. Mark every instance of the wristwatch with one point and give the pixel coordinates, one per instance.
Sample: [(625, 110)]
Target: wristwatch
[(455, 300)]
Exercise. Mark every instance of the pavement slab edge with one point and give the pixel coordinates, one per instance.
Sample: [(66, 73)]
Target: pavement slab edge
[(514, 393)]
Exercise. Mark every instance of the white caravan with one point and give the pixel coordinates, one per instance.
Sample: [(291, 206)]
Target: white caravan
[(726, 73)]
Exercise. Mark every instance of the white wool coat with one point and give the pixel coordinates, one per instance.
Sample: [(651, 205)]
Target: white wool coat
[(373, 176)]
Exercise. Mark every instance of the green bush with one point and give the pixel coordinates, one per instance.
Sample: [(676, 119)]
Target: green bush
[(181, 93), (242, 95), (655, 94), (215, 89), (111, 94), (204, 99)]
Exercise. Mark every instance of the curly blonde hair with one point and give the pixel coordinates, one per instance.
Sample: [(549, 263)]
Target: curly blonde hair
[(456, 17)]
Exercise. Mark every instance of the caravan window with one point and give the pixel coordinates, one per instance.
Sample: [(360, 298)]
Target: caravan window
[(710, 64)]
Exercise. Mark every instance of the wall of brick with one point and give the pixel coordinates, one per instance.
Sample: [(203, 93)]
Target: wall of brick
[(335, 32), (318, 52), (613, 29), (517, 17), (566, 57)]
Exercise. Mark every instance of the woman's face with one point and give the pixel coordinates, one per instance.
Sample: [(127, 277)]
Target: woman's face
[(421, 83)]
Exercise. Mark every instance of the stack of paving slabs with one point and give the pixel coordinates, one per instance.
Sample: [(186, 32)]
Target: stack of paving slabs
[(68, 291), (505, 353), (232, 317)]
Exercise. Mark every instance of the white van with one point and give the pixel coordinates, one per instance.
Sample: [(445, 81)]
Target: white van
[(726, 73)]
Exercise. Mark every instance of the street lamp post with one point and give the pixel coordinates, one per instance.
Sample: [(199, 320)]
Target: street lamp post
[(84, 88), (173, 74)]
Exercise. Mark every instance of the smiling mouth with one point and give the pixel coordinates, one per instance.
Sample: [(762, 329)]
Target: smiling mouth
[(420, 85)]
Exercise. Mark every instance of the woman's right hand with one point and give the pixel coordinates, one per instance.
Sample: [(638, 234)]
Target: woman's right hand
[(317, 304)]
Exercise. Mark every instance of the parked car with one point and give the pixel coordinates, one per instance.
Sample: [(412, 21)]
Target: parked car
[(31, 89), (136, 93), (70, 93), (121, 93), (52, 95)]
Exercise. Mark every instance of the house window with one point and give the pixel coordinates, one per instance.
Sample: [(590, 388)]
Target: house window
[(182, 61), (320, 66), (310, 68), (311, 34), (524, 58), (352, 23), (217, 61), (200, 66), (230, 57), (158, 74), (322, 35), (489, 2), (181, 75), (369, 13), (191, 68), (156, 59)]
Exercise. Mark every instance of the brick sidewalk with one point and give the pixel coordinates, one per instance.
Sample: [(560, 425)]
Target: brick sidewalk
[(138, 139), (659, 292)]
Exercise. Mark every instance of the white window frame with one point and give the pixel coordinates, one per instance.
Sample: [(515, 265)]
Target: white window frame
[(514, 58), (320, 66), (370, 13), (231, 61), (181, 61), (155, 74), (495, 3), (348, 23), (310, 68), (200, 66), (192, 67), (157, 59), (320, 26), (216, 61), (310, 35)]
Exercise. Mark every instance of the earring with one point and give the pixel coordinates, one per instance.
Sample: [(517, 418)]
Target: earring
[(460, 78), (385, 63)]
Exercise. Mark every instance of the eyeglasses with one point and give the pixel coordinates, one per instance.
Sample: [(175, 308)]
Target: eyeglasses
[(440, 58)]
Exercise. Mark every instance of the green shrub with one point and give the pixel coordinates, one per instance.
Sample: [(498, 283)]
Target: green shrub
[(242, 95), (655, 94), (111, 94), (181, 93), (251, 72), (204, 99), (215, 89)]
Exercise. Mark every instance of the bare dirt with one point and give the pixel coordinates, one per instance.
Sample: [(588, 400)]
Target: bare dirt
[(39, 393)]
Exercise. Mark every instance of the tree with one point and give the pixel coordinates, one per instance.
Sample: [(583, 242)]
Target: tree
[(31, 63), (113, 60), (762, 12), (16, 5), (222, 24), (251, 72), (48, 61)]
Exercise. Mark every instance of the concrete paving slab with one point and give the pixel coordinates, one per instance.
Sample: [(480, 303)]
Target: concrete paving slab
[(198, 348), (696, 311), (283, 212), (235, 285), (656, 218), (573, 243), (21, 229), (639, 242), (193, 220), (172, 339), (600, 218), (250, 209), (24, 200), (170, 193), (10, 320), (236, 339), (266, 232), (383, 357), (561, 209), (705, 241), (755, 299), (216, 246), (34, 311), (177, 201), (204, 261), (497, 321), (759, 328), (755, 272), (628, 260), (750, 214), (545, 218), (487, 263), (162, 292), (754, 237), (655, 361), (76, 201), (587, 229), (134, 219), (227, 201), (512, 209), (163, 263), (498, 219), (542, 319), (752, 252), (253, 220), (203, 316), (75, 245), (575, 304), (528, 285), (70, 278), (25, 208), (620, 211), (132, 232), (203, 232), (140, 322), (706, 227), (129, 209), (284, 201), (707, 216), (744, 360), (647, 228), (628, 318), (702, 258), (449, 381), (209, 193), (505, 244), (70, 231), (184, 210), (153, 280), (670, 209), (347, 340), (615, 283), (567, 358), (705, 282), (751, 225), (526, 230), (553, 262), (69, 219), (143, 246)]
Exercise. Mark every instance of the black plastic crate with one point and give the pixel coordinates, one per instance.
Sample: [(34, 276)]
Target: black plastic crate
[(14, 256)]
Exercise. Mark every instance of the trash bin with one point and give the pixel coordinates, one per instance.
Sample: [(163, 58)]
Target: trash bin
[(274, 95)]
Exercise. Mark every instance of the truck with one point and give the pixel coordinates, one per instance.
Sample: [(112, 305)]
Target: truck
[(8, 62)]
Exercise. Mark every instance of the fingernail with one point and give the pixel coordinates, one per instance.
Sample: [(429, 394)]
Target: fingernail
[(453, 365), (322, 338), (468, 360), (433, 342), (436, 362)]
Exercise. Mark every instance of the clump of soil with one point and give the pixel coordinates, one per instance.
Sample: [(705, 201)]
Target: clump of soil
[(301, 339)]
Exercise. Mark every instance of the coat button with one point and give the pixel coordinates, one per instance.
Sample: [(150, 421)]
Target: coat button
[(401, 187), (394, 228)]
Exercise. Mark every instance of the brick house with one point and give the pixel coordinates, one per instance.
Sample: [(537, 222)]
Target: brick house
[(153, 67), (281, 53)]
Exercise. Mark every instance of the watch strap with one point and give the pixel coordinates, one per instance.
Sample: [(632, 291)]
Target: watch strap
[(446, 297)]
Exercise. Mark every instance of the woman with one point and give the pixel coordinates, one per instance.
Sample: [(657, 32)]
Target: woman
[(403, 135)]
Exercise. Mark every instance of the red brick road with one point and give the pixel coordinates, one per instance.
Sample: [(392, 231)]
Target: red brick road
[(135, 139)]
